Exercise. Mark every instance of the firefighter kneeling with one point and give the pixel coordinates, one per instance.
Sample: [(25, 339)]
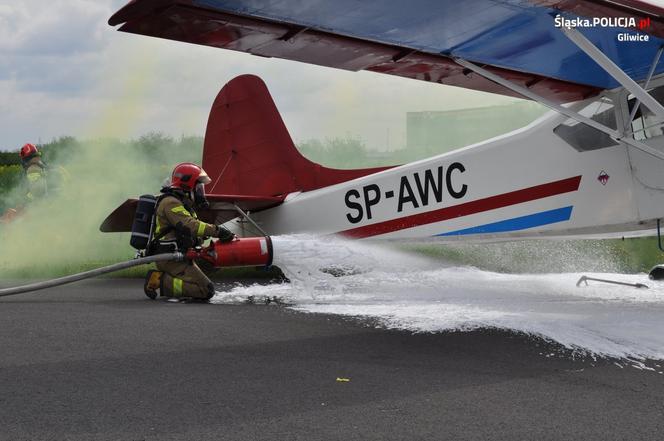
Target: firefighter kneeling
[(177, 228)]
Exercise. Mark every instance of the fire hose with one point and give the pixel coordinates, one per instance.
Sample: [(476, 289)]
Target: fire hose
[(89, 274), (247, 251)]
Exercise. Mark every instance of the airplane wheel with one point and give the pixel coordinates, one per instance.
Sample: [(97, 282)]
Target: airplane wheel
[(657, 273)]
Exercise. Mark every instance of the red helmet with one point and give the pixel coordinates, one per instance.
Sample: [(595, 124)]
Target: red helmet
[(187, 175), (28, 151)]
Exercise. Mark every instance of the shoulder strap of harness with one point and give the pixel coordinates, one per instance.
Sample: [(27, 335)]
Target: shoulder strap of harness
[(182, 237), (166, 230)]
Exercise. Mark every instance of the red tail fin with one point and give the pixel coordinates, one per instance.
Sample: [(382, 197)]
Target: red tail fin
[(248, 150)]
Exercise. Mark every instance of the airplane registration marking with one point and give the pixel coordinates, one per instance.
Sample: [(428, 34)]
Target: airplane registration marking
[(415, 189), (467, 208)]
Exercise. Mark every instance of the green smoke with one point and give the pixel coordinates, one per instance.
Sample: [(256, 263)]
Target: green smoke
[(60, 232)]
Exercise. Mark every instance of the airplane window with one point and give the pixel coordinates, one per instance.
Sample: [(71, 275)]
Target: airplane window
[(645, 124), (585, 138)]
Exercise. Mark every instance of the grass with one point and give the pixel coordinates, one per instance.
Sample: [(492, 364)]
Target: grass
[(625, 256)]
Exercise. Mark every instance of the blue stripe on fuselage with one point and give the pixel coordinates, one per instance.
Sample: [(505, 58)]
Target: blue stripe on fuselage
[(518, 223)]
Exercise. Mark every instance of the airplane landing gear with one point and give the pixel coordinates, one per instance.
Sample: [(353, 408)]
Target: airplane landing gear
[(656, 273)]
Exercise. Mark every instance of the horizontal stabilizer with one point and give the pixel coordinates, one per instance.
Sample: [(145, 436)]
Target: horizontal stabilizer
[(222, 209)]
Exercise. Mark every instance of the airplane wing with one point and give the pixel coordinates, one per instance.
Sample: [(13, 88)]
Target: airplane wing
[(222, 209), (516, 39)]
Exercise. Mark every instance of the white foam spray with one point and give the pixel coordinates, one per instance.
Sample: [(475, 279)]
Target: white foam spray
[(406, 291)]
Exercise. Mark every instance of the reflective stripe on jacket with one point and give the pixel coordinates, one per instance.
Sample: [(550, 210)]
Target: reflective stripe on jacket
[(172, 211), (36, 180)]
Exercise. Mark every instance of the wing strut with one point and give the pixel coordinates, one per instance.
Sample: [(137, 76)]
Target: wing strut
[(251, 221), (614, 134), (612, 69), (645, 86)]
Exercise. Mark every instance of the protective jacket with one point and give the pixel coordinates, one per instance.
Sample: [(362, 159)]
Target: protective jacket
[(177, 221), (35, 172)]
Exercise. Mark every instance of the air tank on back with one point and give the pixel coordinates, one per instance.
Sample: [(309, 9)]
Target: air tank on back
[(142, 225)]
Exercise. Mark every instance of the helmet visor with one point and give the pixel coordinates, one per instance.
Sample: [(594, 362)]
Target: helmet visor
[(204, 178), (199, 196)]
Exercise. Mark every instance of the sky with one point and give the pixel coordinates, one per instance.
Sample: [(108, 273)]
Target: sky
[(65, 71)]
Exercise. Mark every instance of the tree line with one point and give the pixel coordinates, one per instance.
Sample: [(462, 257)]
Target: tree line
[(159, 152)]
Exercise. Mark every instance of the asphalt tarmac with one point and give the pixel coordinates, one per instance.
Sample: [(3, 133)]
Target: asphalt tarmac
[(99, 361)]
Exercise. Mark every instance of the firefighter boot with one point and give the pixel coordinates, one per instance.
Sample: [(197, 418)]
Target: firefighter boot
[(210, 291), (152, 283)]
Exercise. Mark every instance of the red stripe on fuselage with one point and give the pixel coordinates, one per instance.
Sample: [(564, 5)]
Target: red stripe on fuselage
[(467, 208)]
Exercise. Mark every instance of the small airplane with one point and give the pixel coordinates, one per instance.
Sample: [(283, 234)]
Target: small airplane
[(591, 168)]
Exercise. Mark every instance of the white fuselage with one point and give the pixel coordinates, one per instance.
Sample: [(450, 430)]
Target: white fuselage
[(526, 184)]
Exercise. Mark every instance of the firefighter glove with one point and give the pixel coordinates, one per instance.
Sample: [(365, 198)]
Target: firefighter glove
[(224, 235)]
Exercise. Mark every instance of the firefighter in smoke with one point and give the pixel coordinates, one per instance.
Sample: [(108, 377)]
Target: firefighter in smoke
[(40, 181), (35, 181), (35, 172), (177, 228)]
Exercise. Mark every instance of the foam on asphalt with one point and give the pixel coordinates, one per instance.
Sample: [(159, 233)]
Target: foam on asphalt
[(399, 290)]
